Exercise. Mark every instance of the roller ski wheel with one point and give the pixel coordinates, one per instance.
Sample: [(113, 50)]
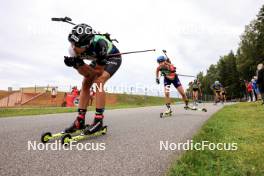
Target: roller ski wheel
[(68, 138), (204, 109), (65, 140), (45, 137), (105, 130)]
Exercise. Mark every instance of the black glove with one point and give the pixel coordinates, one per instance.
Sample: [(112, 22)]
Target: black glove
[(157, 81), (69, 61), (75, 62)]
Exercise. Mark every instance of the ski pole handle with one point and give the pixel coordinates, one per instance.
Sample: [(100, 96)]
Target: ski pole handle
[(56, 19), (65, 19), (165, 53)]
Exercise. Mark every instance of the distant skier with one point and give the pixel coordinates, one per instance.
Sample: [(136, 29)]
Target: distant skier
[(216, 87), (195, 87)]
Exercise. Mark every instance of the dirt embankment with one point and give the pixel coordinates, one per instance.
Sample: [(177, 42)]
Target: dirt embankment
[(46, 100), (4, 93)]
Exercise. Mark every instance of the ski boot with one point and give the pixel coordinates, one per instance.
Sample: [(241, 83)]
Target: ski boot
[(97, 129), (186, 104), (195, 105), (96, 126), (78, 124)]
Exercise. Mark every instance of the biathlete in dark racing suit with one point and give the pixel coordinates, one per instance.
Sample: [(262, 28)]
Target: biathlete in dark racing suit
[(217, 87), (88, 45), (196, 88)]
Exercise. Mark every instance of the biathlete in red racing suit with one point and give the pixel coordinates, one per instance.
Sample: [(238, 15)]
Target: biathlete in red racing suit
[(170, 77)]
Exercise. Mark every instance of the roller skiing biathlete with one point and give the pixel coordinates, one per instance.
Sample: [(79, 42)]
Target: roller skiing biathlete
[(195, 88), (85, 44), (168, 70), (223, 94), (217, 87)]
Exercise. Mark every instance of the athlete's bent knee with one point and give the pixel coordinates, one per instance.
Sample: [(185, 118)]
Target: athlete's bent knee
[(86, 83)]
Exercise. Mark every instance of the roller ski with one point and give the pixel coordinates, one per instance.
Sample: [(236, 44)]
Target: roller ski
[(194, 108), (167, 113), (75, 129), (97, 129)]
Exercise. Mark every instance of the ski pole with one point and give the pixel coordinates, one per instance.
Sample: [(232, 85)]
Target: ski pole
[(165, 53), (130, 52), (117, 54), (186, 75)]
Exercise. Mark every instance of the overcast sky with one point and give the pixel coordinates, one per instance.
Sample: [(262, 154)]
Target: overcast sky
[(194, 33)]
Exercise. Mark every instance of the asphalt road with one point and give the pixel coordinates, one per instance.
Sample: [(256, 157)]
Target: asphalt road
[(131, 146)]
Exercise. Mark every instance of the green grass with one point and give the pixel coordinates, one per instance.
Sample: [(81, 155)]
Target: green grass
[(124, 101), (241, 123), (11, 112), (139, 100)]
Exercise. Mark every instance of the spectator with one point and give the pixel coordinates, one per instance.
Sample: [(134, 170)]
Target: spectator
[(64, 100), (245, 90), (260, 80), (75, 91), (53, 94), (250, 91), (255, 89)]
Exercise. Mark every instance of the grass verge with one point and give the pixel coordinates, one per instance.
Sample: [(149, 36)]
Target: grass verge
[(123, 101), (241, 123)]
